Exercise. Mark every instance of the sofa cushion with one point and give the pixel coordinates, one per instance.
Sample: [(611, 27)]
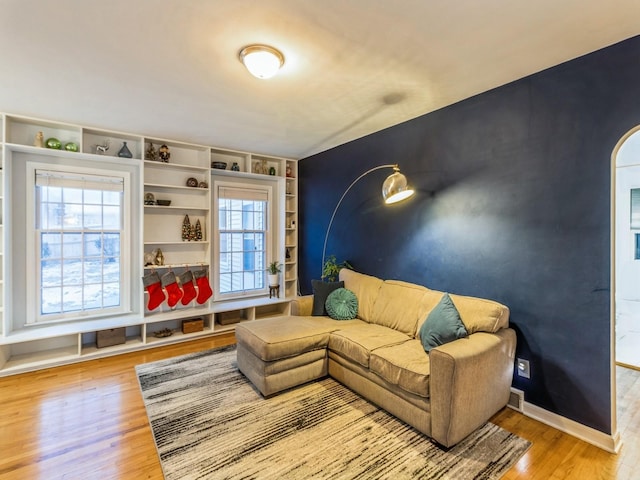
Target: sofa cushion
[(366, 289), (399, 305), (281, 337), (481, 315), (342, 304), (357, 341), (321, 291), (443, 325), (477, 314), (406, 366)]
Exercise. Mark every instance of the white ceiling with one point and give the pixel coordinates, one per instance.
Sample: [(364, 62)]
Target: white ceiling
[(169, 68)]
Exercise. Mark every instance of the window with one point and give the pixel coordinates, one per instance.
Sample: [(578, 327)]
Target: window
[(635, 208), (78, 245), (243, 240)]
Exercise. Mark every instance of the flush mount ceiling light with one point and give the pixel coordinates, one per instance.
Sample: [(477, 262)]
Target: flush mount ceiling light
[(262, 61)]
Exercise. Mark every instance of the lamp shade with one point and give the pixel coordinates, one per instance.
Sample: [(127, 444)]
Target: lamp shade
[(262, 61), (395, 188)]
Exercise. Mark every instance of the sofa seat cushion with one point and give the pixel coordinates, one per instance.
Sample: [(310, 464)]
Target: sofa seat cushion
[(282, 337), (406, 366), (357, 341)]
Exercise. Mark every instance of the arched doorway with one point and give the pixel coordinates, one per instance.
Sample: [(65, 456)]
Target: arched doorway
[(626, 257)]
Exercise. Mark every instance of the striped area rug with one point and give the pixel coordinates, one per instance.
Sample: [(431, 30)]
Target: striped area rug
[(210, 423)]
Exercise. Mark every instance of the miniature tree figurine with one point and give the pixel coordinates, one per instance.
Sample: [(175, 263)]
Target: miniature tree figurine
[(198, 231), (186, 228)]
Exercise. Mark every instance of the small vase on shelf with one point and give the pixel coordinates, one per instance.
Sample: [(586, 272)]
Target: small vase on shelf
[(124, 151)]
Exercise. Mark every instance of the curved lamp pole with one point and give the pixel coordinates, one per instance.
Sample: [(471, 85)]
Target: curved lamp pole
[(394, 189)]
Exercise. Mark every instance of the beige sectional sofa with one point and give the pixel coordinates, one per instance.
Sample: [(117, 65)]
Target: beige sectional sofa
[(446, 393)]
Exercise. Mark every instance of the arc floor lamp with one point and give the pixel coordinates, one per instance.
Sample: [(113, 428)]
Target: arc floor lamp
[(394, 190)]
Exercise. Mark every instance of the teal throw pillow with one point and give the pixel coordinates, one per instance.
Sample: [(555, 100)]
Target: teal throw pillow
[(442, 325), (342, 304), (321, 291)]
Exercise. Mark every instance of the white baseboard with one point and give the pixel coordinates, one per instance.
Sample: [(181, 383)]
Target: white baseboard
[(610, 443)]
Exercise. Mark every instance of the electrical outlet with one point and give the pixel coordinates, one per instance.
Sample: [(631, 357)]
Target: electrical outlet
[(523, 368)]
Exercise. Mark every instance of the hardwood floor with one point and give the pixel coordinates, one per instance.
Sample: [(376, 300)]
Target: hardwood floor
[(87, 421)]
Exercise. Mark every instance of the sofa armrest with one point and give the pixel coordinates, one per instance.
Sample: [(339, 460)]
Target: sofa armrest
[(302, 306), (470, 381)]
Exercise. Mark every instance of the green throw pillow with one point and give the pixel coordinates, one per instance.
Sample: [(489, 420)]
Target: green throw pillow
[(321, 291), (342, 304), (442, 325)]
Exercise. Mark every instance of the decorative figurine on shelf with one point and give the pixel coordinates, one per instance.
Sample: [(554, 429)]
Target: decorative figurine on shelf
[(198, 236), (102, 149), (272, 171), (124, 151), (151, 153), (159, 258), (164, 153), (149, 198), (257, 167), (186, 229), (235, 167), (287, 254), (289, 172), (53, 143), (71, 147), (149, 259), (39, 141)]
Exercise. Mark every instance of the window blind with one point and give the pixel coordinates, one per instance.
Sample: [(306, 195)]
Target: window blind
[(234, 193), (47, 178)]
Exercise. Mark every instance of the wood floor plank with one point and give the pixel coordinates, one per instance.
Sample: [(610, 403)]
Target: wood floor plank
[(88, 421)]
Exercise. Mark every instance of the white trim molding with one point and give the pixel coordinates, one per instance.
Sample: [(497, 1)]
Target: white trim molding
[(610, 443)]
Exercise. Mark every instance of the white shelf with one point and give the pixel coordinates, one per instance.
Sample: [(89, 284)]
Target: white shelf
[(34, 360), (172, 207), (185, 242), (175, 187), (176, 265), (26, 348), (180, 166)]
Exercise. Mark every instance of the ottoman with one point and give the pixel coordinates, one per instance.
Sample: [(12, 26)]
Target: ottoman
[(283, 352)]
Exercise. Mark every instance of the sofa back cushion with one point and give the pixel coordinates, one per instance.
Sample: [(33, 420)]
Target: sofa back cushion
[(399, 306), (477, 314), (366, 289)]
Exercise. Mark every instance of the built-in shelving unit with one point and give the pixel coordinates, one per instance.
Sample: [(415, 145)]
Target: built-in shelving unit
[(185, 181)]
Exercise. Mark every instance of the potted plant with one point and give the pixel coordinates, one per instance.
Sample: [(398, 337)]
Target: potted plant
[(273, 270), (331, 268)]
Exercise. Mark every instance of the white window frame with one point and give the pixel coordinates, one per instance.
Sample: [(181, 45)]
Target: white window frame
[(34, 317), (270, 236)]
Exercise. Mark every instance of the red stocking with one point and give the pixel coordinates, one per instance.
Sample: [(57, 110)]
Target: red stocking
[(153, 287), (186, 282), (204, 289), (173, 290)]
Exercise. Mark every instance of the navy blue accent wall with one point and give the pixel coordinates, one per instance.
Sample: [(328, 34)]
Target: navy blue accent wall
[(513, 204)]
